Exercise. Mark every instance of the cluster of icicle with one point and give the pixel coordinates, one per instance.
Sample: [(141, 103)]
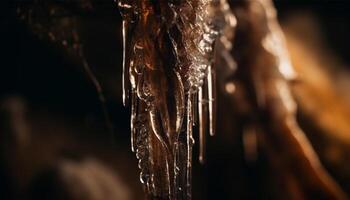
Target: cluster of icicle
[(168, 78)]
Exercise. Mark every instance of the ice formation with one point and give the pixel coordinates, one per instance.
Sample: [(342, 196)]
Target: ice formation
[(168, 77)]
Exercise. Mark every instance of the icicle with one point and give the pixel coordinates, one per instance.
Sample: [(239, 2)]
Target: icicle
[(126, 10), (133, 121), (195, 108), (201, 124), (125, 75), (211, 99), (190, 142)]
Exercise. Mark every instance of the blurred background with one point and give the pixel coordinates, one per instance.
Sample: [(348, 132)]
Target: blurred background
[(57, 141)]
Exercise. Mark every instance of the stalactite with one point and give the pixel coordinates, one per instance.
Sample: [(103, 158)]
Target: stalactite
[(167, 67)]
